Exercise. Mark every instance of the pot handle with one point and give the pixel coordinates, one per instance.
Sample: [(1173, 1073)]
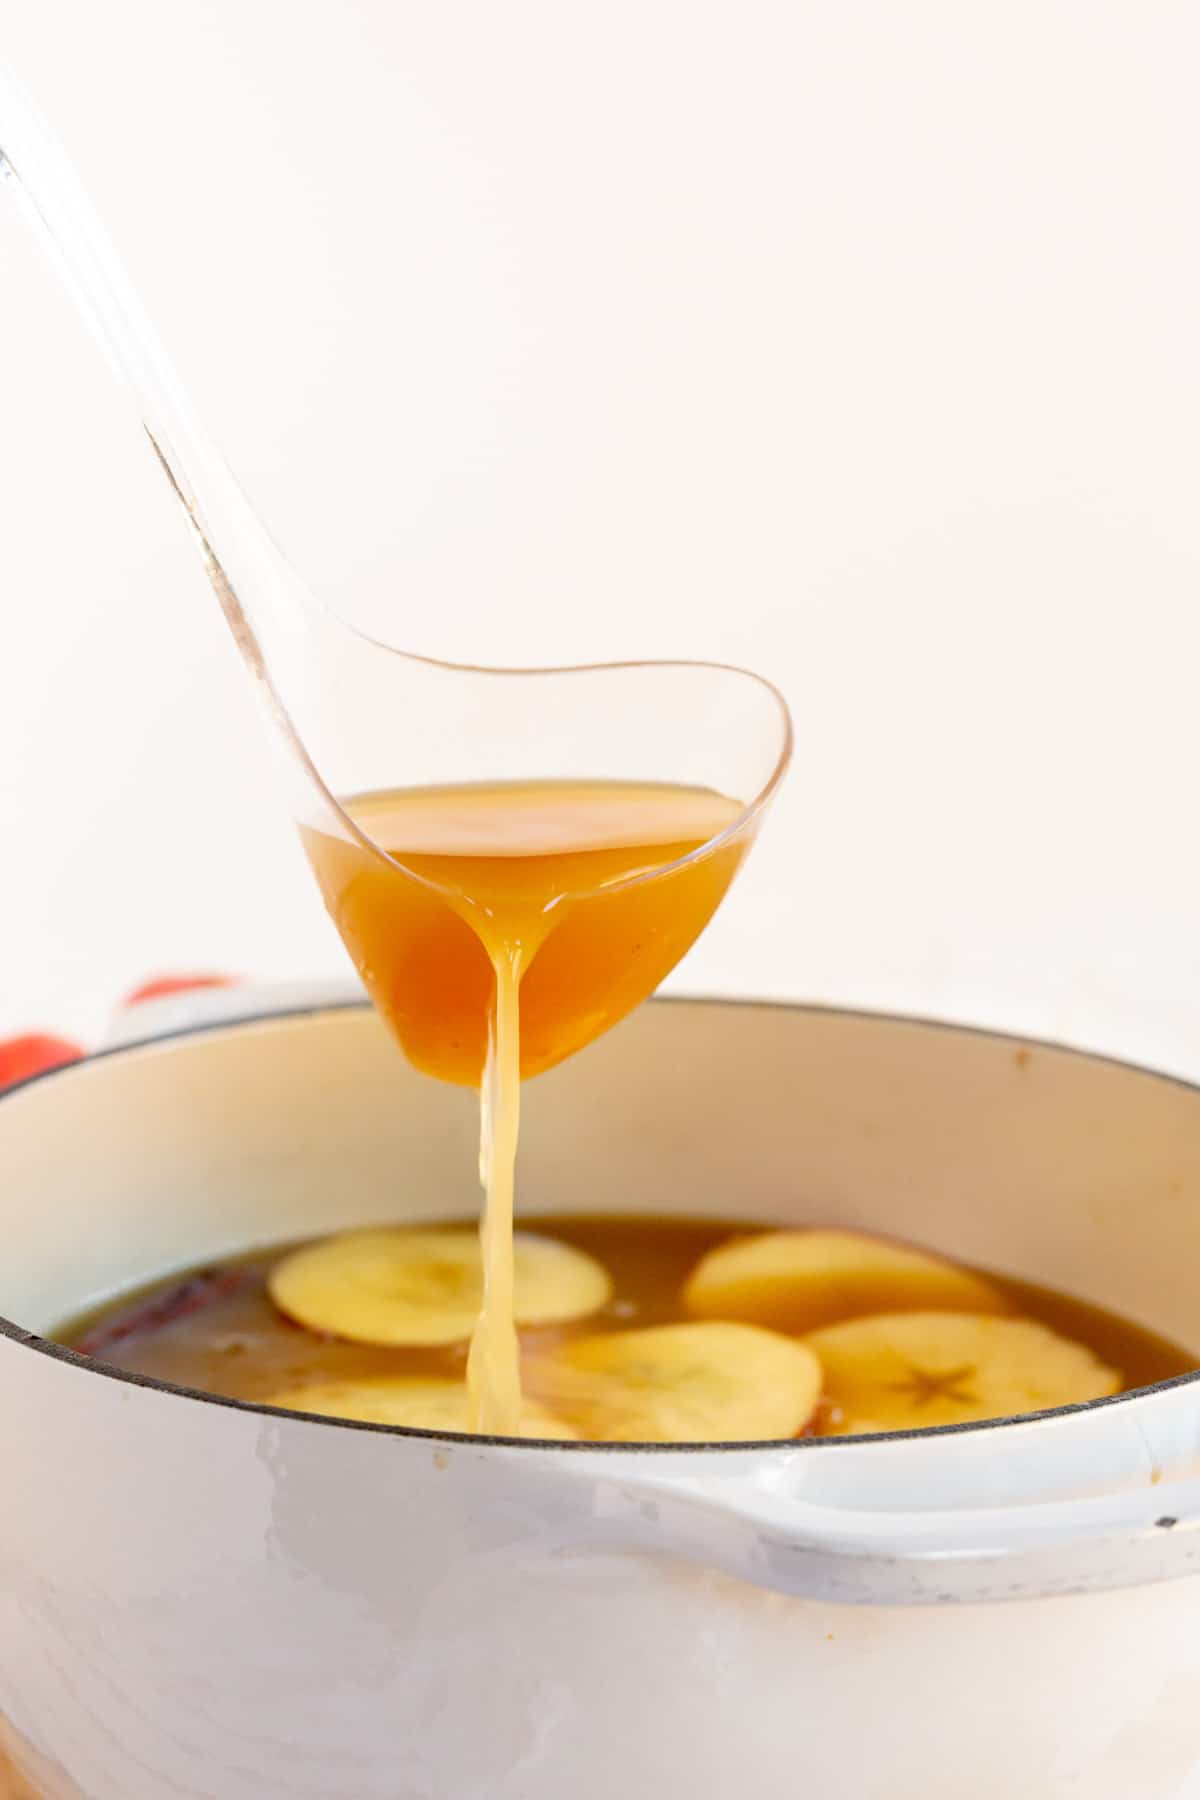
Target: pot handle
[(756, 1528)]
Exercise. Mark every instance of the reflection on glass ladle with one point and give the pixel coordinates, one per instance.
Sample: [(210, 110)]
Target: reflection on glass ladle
[(561, 835)]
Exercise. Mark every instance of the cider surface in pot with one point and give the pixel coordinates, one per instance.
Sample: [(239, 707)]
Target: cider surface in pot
[(632, 1329)]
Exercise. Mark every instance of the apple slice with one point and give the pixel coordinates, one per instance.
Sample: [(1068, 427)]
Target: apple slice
[(799, 1281)]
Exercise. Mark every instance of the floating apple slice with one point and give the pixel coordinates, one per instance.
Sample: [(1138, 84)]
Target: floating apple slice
[(424, 1287), (680, 1384), (799, 1281), (903, 1370), (418, 1403)]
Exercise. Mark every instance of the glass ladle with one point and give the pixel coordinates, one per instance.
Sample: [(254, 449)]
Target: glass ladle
[(353, 715)]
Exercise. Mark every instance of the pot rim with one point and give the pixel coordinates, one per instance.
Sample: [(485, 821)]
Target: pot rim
[(30, 1340)]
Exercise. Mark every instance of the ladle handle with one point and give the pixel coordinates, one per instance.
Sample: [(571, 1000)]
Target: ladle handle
[(49, 193), (40, 176)]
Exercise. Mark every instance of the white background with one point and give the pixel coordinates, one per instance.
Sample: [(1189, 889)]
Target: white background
[(856, 341)]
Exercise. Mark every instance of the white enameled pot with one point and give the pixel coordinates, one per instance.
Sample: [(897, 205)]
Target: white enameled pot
[(203, 1601)]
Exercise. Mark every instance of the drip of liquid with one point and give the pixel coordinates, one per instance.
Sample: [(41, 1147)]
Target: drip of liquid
[(494, 1362), (515, 923)]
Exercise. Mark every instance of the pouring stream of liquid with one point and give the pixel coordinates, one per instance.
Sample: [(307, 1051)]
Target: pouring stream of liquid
[(494, 1362)]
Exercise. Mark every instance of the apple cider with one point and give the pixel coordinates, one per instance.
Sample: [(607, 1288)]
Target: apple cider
[(545, 877), (633, 1329), (500, 928)]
